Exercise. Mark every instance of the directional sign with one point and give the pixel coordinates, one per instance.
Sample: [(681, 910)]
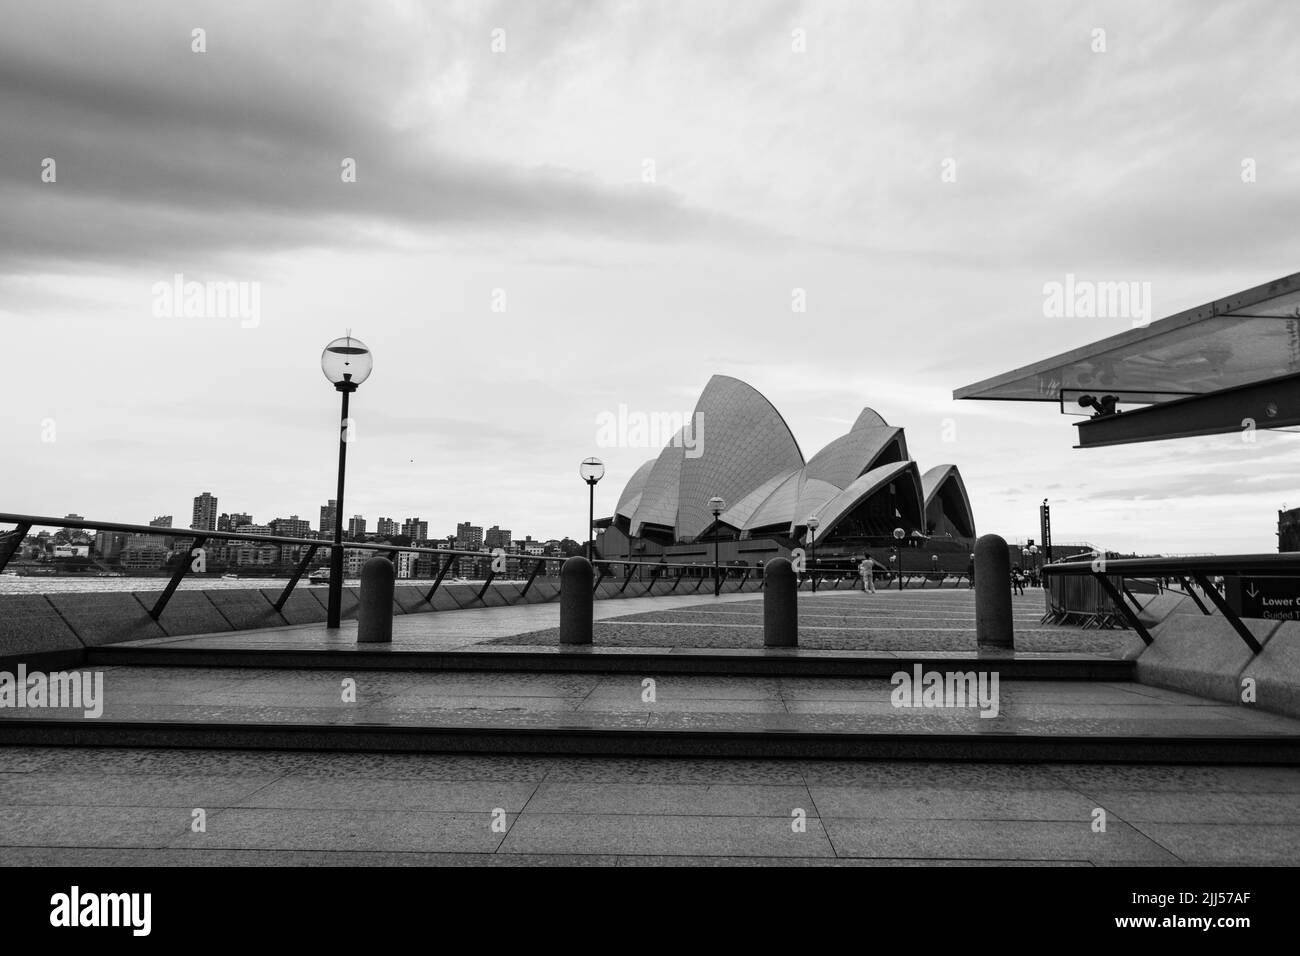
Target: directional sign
[(1274, 599)]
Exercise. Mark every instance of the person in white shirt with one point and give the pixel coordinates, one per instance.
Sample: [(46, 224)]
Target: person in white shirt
[(867, 569)]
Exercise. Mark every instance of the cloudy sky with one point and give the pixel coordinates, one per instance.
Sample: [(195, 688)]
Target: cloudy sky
[(561, 208)]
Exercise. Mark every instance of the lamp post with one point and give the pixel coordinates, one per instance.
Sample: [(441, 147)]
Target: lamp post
[(591, 470), (813, 525), (346, 363), (717, 506), (899, 534)]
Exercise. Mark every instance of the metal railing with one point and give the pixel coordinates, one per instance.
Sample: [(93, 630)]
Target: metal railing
[(447, 558), (1111, 578)]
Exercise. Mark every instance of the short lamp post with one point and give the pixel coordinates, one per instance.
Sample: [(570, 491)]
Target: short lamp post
[(346, 363), (899, 535), (717, 506), (591, 470), (813, 525)]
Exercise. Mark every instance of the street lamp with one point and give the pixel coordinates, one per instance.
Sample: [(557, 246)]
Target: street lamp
[(717, 506), (591, 470), (813, 525), (346, 362), (899, 535)]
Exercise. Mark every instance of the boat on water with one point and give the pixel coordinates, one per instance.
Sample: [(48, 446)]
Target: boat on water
[(230, 577), (319, 577)]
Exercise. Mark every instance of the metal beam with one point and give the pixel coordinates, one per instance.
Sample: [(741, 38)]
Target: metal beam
[(1274, 403)]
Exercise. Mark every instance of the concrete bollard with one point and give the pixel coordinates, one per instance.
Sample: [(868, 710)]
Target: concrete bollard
[(375, 610), (575, 601), (780, 604), (993, 623)]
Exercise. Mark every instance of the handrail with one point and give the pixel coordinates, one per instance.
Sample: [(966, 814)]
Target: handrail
[(1198, 568), (47, 521), (1228, 565), (24, 523)]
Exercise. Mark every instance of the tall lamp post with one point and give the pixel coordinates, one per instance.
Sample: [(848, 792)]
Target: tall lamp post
[(899, 535), (717, 506), (346, 363), (813, 525), (592, 470)]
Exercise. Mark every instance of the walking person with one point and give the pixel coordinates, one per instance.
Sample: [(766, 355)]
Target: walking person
[(1017, 580), (868, 571)]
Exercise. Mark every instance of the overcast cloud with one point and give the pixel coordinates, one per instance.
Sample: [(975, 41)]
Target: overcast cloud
[(519, 176)]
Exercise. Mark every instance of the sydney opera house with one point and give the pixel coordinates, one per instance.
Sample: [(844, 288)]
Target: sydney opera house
[(859, 489)]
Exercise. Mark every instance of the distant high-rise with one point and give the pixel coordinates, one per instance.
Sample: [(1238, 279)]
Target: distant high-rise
[(356, 527), (205, 512), (328, 515), (291, 527), (162, 521), (469, 537), (386, 528), (415, 529), (239, 519), (496, 537)]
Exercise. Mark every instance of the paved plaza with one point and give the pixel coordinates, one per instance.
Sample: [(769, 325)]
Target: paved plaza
[(124, 804), (123, 807)]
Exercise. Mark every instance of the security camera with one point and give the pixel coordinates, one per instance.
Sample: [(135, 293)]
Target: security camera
[(1104, 406)]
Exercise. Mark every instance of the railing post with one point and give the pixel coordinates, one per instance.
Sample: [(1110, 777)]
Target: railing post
[(780, 605), (443, 568), (1118, 601), (994, 626), (576, 597), (1187, 586), (12, 541), (486, 584), (181, 570), (293, 581), (537, 568), (375, 609), (1229, 615)]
